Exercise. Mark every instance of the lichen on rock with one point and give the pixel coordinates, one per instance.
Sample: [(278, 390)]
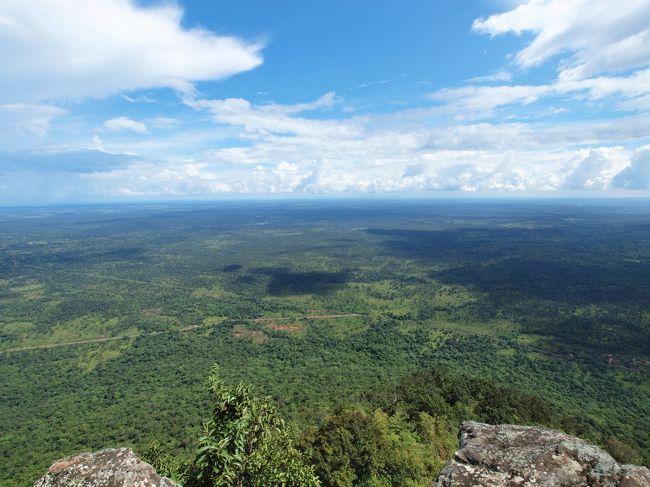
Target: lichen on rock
[(113, 467), (512, 455)]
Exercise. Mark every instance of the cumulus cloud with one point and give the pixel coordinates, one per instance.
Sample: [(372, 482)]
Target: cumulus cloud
[(121, 124), (282, 151), (409, 172), (76, 49), (637, 175), (596, 168), (599, 35), (279, 149), (435, 171)]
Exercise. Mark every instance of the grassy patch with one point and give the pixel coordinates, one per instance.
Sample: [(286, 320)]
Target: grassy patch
[(29, 291), (213, 320), (490, 328), (296, 328), (343, 327), (18, 327), (215, 292), (408, 327), (90, 360), (83, 328), (258, 337)]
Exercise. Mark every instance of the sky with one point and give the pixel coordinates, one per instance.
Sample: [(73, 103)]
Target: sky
[(125, 100)]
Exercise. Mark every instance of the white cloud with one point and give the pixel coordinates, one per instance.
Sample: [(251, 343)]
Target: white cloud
[(472, 100), (121, 124), (138, 99), (278, 170), (469, 101), (596, 168), (34, 119), (598, 35), (163, 122), (602, 49), (97, 143), (491, 78), (26, 124), (370, 84), (637, 174), (281, 150), (75, 49), (260, 120)]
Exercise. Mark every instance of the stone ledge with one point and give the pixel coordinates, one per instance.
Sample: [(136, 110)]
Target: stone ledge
[(114, 467), (518, 456)]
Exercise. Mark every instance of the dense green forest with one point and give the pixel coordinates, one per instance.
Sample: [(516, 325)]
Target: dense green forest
[(386, 321)]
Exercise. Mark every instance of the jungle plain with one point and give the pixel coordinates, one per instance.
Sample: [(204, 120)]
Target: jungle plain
[(405, 317)]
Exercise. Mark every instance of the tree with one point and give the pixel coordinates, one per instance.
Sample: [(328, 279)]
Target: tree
[(356, 447), (245, 443)]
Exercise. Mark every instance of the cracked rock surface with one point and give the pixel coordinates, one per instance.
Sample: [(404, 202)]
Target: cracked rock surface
[(517, 456), (115, 467)]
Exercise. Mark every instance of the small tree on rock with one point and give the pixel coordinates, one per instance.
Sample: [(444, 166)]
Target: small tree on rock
[(245, 443)]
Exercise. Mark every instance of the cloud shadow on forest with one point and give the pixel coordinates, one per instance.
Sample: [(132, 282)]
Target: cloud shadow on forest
[(285, 281)]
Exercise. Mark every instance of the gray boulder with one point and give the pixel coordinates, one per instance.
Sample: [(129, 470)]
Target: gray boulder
[(517, 456), (116, 467)]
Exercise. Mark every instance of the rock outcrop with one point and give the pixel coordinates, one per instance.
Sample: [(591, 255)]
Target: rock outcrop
[(510, 455), (118, 467)]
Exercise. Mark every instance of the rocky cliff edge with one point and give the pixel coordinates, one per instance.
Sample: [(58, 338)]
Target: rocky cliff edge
[(118, 467), (517, 456)]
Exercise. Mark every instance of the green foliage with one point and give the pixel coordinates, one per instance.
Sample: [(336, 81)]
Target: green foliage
[(160, 459), (458, 397), (372, 448), (405, 433), (623, 452), (245, 443)]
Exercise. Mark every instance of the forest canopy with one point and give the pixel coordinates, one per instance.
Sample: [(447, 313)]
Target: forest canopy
[(384, 321)]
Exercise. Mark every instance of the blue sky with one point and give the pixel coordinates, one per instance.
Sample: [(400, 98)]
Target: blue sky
[(113, 100)]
